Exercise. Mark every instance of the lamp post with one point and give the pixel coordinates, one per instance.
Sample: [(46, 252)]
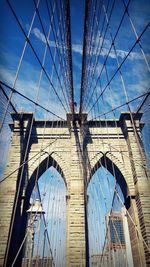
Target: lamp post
[(34, 212)]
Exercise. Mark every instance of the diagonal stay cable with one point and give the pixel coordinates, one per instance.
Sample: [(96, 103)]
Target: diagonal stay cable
[(122, 80), (26, 161), (49, 49), (133, 222), (21, 176), (107, 56), (146, 27), (11, 104), (37, 57), (19, 66), (143, 102), (136, 35), (122, 105), (29, 99)]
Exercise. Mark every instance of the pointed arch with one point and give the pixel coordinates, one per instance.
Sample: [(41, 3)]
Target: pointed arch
[(115, 167), (52, 160)]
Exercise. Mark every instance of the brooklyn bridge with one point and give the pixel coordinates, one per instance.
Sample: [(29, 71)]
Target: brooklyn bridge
[(74, 133)]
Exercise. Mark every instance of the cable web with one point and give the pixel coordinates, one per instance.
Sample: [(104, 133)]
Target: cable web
[(78, 96), (115, 79), (42, 86)]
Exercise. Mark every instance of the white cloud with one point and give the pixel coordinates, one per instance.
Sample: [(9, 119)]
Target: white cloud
[(39, 35), (77, 48), (27, 84)]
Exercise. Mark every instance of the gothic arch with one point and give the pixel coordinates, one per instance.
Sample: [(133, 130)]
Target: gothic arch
[(48, 160), (51, 160), (115, 167)]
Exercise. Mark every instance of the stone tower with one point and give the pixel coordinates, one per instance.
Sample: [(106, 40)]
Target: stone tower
[(77, 148)]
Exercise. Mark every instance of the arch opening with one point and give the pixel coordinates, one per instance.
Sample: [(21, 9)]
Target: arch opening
[(45, 164), (46, 227), (114, 170), (107, 217)]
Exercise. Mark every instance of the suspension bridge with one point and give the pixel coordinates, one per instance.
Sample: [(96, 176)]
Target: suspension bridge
[(74, 133)]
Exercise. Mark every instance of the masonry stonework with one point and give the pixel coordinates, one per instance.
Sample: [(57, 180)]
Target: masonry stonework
[(76, 148)]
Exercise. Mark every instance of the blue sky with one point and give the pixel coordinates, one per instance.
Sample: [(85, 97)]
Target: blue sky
[(135, 72), (53, 194)]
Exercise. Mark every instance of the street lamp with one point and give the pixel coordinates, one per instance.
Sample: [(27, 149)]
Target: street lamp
[(34, 212)]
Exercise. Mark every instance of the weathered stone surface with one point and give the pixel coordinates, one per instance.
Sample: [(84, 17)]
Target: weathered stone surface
[(77, 152)]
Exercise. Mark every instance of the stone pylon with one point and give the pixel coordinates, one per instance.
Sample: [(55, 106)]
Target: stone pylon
[(77, 148), (77, 232)]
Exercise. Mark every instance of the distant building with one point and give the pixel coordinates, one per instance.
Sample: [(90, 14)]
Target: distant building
[(117, 253), (119, 243), (116, 231), (37, 262), (99, 260)]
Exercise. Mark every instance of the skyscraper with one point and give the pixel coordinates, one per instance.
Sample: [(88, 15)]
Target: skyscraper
[(119, 245), (116, 231)]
